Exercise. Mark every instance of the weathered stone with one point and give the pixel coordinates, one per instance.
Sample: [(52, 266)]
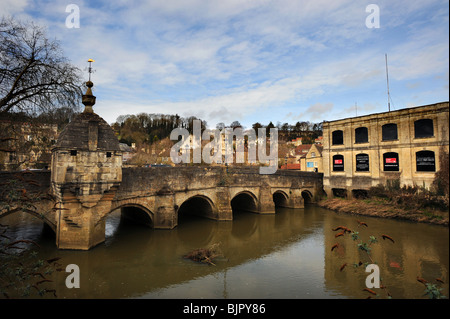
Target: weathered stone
[(86, 169)]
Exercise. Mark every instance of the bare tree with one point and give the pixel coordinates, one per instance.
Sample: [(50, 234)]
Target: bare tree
[(34, 74)]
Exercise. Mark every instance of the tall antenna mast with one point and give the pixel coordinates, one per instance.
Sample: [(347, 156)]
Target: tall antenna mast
[(356, 109), (387, 80)]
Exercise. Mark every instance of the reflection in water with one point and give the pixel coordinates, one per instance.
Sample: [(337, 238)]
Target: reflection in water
[(286, 255)]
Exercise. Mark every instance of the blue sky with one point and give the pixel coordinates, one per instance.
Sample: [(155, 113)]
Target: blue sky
[(253, 60)]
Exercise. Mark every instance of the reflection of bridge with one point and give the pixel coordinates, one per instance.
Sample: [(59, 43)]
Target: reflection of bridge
[(157, 196)]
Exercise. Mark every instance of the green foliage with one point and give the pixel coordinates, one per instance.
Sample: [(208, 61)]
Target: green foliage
[(364, 247), (433, 292), (372, 240)]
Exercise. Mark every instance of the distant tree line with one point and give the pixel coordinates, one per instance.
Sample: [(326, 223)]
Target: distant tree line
[(147, 128), (306, 130)]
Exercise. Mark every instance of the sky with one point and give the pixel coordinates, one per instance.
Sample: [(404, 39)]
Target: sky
[(253, 60)]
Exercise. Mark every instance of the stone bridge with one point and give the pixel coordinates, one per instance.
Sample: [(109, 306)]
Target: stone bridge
[(158, 196), (87, 182)]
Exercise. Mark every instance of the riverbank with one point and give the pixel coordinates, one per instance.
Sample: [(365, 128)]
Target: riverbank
[(379, 207)]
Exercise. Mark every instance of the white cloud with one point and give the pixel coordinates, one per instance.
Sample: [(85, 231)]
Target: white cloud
[(11, 7), (231, 59), (316, 112)]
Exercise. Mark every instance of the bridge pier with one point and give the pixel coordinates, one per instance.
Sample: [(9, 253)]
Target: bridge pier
[(296, 199), (266, 204), (223, 204), (80, 225), (166, 216)]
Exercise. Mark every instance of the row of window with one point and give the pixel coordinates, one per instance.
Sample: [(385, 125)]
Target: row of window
[(425, 162), (422, 128)]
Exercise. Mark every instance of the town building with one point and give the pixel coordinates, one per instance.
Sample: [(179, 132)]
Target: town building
[(127, 152), (318, 140), (312, 161), (296, 142), (26, 145), (300, 152), (400, 147)]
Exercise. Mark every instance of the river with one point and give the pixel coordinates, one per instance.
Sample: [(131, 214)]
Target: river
[(285, 255)]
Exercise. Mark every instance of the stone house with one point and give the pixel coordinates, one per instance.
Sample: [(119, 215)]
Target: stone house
[(26, 145), (312, 161)]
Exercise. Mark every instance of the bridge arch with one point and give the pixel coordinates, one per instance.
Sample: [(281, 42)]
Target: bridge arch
[(280, 199), (39, 216), (307, 196), (244, 201), (135, 212), (197, 205)]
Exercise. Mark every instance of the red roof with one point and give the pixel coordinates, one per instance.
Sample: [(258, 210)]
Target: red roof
[(302, 149), (291, 166)]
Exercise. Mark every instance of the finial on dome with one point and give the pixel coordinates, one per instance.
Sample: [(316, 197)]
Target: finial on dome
[(88, 99)]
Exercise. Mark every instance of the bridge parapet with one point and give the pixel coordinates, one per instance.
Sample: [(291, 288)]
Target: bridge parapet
[(153, 179)]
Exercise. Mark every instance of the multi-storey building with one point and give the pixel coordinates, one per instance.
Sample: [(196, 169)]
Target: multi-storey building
[(401, 146)]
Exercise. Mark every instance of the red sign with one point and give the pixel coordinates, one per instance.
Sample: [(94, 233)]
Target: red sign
[(391, 160), (338, 161)]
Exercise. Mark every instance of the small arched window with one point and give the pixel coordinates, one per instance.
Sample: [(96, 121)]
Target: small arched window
[(361, 135), (338, 163), (362, 162), (389, 132), (425, 161), (337, 137), (423, 128), (390, 162)]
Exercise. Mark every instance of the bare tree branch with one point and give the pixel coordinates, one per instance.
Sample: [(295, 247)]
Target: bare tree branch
[(34, 74)]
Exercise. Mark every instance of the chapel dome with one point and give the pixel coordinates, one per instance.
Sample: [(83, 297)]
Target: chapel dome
[(87, 125)]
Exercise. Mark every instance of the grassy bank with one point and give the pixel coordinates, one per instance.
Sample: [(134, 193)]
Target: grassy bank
[(412, 207)]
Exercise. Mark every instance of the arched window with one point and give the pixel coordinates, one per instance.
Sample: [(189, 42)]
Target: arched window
[(338, 163), (337, 137), (425, 161), (362, 162), (361, 135), (423, 128), (389, 132), (390, 162)]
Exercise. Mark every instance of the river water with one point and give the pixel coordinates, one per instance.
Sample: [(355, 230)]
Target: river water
[(285, 255)]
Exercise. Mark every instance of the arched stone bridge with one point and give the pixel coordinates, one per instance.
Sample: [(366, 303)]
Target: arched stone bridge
[(211, 192), (159, 195)]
